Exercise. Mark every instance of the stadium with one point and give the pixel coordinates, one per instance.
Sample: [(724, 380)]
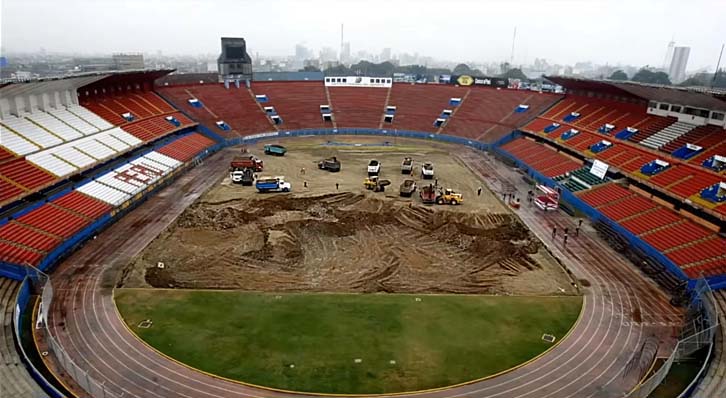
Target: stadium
[(572, 246)]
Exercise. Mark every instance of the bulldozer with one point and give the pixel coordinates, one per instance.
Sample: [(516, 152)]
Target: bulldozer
[(373, 183), (449, 197)]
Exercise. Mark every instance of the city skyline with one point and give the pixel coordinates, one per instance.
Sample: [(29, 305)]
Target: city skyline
[(543, 31)]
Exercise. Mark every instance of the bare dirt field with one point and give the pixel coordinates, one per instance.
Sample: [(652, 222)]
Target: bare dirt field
[(348, 239)]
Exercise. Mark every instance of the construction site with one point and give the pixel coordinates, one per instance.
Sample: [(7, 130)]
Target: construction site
[(325, 238)]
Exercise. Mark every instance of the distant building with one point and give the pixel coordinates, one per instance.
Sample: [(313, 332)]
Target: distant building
[(234, 63), (677, 70), (345, 53), (386, 54), (128, 61)]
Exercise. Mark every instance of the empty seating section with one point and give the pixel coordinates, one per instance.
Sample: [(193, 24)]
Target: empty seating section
[(487, 114), (235, 106), (16, 254), (18, 234), (82, 204), (9, 191), (651, 125), (668, 134), (155, 127), (692, 186), (30, 131), (686, 243), (15, 143), (85, 115), (672, 175), (704, 136), (54, 220), (58, 128), (541, 157), (418, 105), (25, 174), (297, 103), (186, 147), (647, 222), (358, 106), (626, 208), (676, 235)]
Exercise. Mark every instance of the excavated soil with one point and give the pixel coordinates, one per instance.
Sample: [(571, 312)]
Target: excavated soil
[(346, 242)]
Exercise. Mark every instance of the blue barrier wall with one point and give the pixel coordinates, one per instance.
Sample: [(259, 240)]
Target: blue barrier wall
[(21, 304)]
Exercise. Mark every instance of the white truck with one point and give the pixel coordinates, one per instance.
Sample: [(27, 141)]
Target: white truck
[(427, 171), (374, 168)]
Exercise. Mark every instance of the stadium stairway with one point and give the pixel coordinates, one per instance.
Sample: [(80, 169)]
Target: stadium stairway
[(15, 381), (668, 134)]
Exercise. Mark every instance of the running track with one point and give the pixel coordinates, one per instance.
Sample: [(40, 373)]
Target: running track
[(590, 363)]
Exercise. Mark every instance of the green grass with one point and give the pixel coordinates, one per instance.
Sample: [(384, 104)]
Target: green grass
[(255, 337)]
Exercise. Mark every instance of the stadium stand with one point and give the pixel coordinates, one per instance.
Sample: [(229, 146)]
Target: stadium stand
[(15, 381), (358, 106), (418, 105), (297, 102), (695, 249), (235, 106), (541, 157), (487, 114)]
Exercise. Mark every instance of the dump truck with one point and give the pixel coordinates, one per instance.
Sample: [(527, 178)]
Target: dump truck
[(408, 187), (428, 194), (406, 166), (449, 197), (375, 184), (330, 164), (427, 171), (273, 184), (242, 176), (273, 149), (246, 162), (374, 167)]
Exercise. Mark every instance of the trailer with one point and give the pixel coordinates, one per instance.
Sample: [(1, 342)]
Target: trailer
[(428, 194), (273, 149), (408, 187), (246, 162), (273, 184), (407, 165)]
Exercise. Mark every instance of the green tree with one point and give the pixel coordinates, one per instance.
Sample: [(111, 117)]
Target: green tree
[(648, 76), (618, 75), (309, 68)]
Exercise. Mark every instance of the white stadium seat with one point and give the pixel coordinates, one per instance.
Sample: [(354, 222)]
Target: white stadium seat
[(104, 192), (16, 143), (93, 148), (90, 117), (72, 155), (55, 126), (51, 163), (110, 141), (31, 132), (74, 121)]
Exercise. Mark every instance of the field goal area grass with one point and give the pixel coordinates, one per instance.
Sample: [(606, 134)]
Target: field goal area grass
[(346, 343)]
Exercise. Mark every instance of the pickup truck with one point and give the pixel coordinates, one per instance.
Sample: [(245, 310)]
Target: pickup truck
[(242, 176), (406, 166), (277, 150), (273, 184), (427, 171), (374, 167), (408, 187), (246, 162)]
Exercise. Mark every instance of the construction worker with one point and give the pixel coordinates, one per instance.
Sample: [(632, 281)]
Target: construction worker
[(478, 192), (554, 231), (579, 223), (336, 186), (566, 231), (305, 184), (577, 230), (302, 171), (564, 239)]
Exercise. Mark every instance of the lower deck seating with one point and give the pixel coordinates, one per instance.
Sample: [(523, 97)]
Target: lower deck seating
[(187, 147), (25, 174), (297, 103), (418, 105), (358, 106), (695, 249), (541, 157), (15, 381)]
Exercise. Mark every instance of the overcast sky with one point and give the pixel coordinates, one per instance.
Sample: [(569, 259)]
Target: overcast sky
[(564, 31)]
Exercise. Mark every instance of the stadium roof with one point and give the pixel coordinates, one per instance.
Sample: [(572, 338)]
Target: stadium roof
[(48, 85), (668, 94)]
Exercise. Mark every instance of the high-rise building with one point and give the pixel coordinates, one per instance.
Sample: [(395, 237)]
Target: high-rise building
[(345, 53), (128, 61), (677, 70)]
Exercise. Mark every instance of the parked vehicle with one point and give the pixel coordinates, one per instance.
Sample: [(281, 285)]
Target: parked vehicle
[(242, 176), (376, 185), (374, 167), (428, 194), (273, 184), (273, 149), (330, 164), (427, 171), (246, 162), (449, 197), (408, 187), (407, 165)]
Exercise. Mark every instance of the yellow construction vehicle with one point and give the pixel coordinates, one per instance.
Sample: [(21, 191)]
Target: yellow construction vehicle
[(449, 197), (375, 184)]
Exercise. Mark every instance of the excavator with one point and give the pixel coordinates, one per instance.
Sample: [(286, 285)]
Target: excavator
[(373, 183)]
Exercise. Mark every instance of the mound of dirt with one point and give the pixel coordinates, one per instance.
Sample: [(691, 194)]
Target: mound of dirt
[(340, 242)]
